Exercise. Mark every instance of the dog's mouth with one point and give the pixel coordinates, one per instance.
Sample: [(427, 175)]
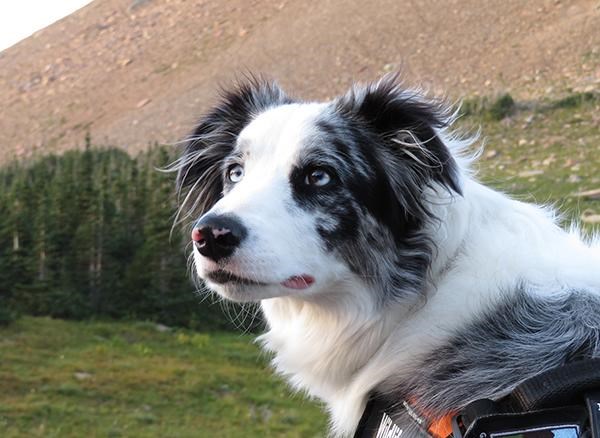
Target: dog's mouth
[(297, 282), (224, 277)]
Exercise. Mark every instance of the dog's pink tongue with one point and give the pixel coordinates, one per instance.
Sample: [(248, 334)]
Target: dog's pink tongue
[(299, 282)]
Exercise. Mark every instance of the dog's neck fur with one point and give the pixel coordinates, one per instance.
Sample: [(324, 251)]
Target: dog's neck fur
[(340, 354)]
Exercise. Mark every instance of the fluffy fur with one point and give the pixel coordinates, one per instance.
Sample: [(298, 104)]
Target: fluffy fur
[(428, 285)]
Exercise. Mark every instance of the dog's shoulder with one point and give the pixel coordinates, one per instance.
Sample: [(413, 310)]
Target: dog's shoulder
[(526, 334)]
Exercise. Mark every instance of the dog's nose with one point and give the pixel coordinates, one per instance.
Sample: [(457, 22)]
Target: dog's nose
[(217, 237)]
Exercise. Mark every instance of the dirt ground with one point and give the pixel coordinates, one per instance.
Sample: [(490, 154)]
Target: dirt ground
[(132, 72)]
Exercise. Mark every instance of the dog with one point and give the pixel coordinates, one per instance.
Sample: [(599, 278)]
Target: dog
[(382, 266)]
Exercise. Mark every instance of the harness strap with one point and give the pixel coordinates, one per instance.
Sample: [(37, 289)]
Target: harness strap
[(377, 421)]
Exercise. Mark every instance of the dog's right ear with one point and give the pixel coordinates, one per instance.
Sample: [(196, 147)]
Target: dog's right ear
[(199, 170), (409, 123)]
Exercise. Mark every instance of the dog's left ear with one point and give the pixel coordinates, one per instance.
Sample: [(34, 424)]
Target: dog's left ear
[(409, 125), (199, 168)]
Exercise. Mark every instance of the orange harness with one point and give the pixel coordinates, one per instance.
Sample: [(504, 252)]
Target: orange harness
[(436, 427), (376, 422), (441, 428)]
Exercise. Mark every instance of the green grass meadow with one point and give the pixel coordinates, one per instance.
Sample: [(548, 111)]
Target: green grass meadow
[(112, 379), (128, 379)]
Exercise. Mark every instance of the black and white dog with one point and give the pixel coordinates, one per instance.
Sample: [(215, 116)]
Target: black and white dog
[(381, 265)]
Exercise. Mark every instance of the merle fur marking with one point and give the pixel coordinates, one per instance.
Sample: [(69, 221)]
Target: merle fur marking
[(380, 180)]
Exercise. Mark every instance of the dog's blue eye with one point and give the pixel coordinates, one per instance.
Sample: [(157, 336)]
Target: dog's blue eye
[(317, 177), (235, 173)]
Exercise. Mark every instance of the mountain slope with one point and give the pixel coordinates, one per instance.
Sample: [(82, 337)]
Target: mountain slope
[(134, 72)]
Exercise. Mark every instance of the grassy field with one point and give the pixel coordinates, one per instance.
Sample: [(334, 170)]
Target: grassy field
[(70, 379), (100, 379), (544, 152)]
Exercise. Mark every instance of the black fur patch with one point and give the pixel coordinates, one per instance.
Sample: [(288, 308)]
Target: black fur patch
[(377, 193), (214, 139), (390, 111)]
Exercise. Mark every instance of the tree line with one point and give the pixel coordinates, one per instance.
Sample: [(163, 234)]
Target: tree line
[(87, 234)]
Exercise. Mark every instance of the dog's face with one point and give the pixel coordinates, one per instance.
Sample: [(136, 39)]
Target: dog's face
[(289, 198)]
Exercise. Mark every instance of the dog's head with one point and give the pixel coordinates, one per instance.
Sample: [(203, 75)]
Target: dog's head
[(294, 198)]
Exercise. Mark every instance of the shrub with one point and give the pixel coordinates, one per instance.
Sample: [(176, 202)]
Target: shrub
[(574, 100), (502, 107)]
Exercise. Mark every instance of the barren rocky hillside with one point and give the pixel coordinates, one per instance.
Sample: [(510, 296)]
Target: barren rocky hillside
[(137, 71)]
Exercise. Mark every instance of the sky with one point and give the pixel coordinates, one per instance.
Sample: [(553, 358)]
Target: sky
[(21, 18)]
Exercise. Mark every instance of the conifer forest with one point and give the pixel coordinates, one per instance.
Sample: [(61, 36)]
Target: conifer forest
[(87, 234)]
